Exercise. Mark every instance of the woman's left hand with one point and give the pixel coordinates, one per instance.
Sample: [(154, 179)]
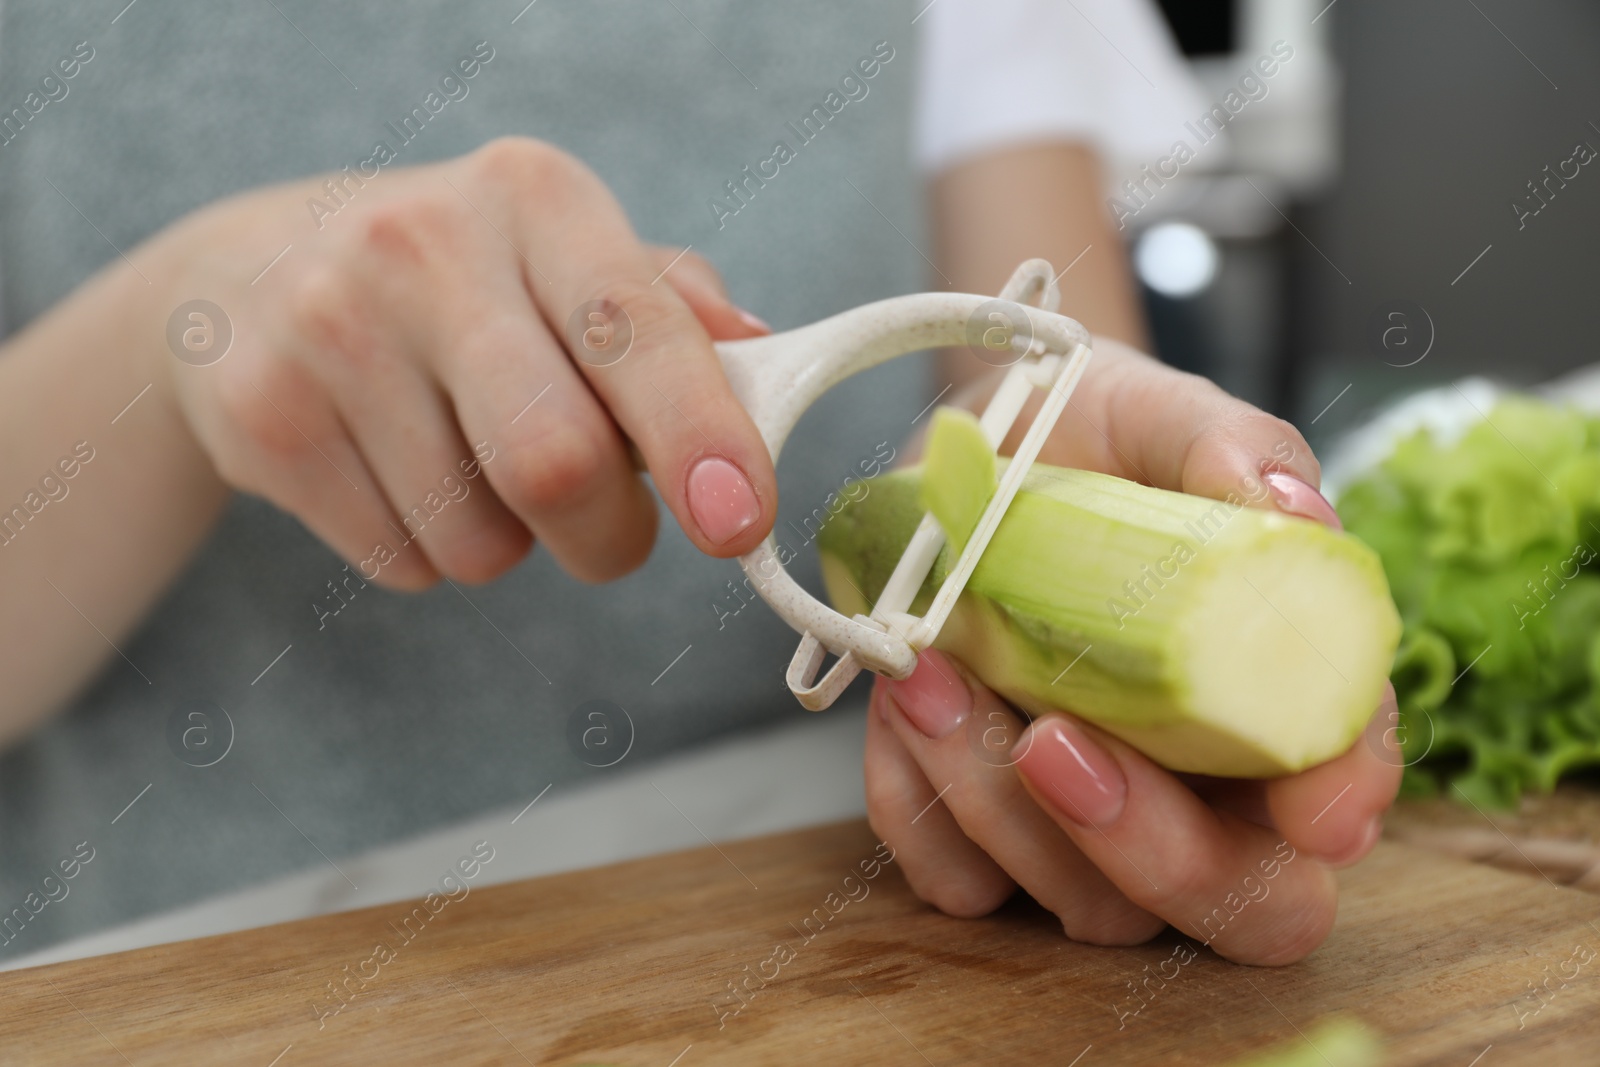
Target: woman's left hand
[(1116, 846)]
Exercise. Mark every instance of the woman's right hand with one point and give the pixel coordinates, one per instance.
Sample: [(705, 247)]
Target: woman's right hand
[(440, 322)]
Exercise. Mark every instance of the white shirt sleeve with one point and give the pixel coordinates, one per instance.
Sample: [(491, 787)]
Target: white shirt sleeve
[(1000, 72)]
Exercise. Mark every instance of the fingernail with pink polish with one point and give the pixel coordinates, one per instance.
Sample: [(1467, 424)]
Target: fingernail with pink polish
[(721, 500), (755, 322), (935, 698), (1298, 498), (1073, 773)]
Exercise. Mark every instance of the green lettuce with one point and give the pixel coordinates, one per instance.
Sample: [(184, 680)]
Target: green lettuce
[(1492, 550)]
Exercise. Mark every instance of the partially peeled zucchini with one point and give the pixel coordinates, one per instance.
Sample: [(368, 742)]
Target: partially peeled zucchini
[(1214, 637)]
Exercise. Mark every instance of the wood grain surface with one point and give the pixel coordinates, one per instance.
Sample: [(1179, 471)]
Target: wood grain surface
[(1555, 836), (631, 964)]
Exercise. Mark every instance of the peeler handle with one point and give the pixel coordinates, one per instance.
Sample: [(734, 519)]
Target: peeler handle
[(779, 376)]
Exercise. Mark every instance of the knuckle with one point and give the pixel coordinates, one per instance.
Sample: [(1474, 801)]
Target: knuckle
[(884, 796), (1185, 884), (694, 261), (618, 564), (1279, 444), (656, 315), (963, 894), (327, 315), (525, 164), (1299, 451), (322, 313), (1290, 934), (695, 265), (261, 413), (1309, 929), (612, 565), (1266, 425), (316, 307), (559, 467), (481, 555), (411, 230)]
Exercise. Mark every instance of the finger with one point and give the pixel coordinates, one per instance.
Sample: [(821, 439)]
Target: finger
[(554, 456), (1231, 450), (1235, 885), (693, 277), (277, 433), (933, 713), (1335, 810), (1244, 797), (1178, 430), (1137, 418), (639, 346), (689, 269), (431, 477), (942, 865)]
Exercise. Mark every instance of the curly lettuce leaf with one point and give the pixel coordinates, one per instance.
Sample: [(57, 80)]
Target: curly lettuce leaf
[(1490, 546)]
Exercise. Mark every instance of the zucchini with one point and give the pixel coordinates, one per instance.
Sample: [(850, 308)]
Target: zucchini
[(1214, 637)]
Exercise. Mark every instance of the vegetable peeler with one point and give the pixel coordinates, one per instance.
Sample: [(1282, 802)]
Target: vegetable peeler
[(778, 376)]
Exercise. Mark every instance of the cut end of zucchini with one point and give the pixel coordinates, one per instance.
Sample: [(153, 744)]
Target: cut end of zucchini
[(1288, 646)]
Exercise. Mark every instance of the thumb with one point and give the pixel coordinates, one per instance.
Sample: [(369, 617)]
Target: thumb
[(1180, 431)]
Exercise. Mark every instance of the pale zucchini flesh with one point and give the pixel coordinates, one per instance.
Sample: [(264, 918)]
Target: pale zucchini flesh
[(958, 448)]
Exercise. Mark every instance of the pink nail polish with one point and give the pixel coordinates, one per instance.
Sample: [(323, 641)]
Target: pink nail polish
[(721, 500), (753, 321), (935, 698), (1297, 498), (1073, 773)]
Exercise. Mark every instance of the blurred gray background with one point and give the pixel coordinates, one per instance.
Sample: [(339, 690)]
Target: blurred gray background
[(1433, 115)]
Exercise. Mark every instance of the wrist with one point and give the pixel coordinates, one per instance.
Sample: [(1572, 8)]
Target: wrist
[(124, 313)]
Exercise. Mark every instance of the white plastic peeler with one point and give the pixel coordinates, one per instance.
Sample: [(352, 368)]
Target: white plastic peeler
[(777, 377)]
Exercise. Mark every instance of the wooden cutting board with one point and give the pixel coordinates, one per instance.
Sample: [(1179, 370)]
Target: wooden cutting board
[(631, 964), (1556, 837)]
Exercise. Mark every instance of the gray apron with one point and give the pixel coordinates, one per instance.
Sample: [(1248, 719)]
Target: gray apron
[(404, 712)]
